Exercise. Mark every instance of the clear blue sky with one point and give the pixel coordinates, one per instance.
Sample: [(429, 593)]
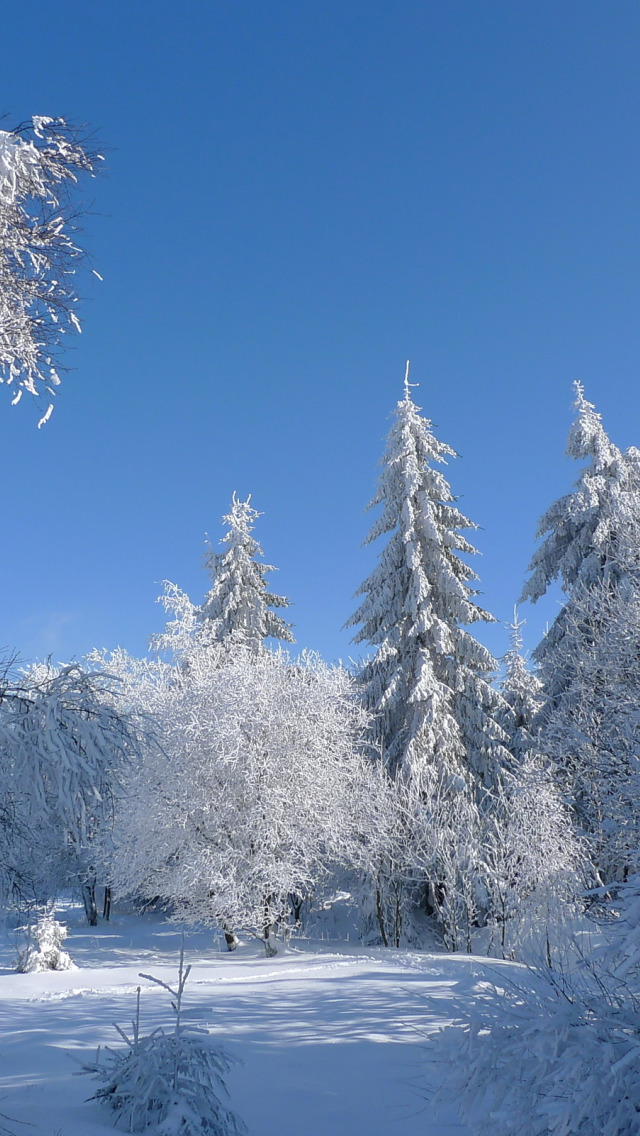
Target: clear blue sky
[(302, 195)]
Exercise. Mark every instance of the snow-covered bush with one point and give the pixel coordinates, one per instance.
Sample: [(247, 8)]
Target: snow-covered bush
[(556, 1053), (531, 864), (172, 1081), (442, 835), (45, 951), (256, 790)]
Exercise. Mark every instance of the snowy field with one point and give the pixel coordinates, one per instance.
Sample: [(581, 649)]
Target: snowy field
[(332, 1036)]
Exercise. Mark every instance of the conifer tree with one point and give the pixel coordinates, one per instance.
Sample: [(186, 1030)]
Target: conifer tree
[(590, 536), (238, 606), (588, 658), (522, 692), (427, 683)]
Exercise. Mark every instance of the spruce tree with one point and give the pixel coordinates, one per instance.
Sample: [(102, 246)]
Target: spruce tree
[(590, 538), (522, 692), (588, 658), (238, 606), (428, 682)]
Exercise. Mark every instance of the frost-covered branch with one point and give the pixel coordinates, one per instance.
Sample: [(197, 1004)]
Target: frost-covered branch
[(41, 166)]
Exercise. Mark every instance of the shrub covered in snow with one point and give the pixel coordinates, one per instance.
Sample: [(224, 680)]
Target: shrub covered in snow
[(170, 1082), (558, 1054), (46, 952)]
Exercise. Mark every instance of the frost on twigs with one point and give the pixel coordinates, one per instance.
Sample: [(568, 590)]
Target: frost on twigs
[(45, 952), (171, 1082), (555, 1051), (41, 165)]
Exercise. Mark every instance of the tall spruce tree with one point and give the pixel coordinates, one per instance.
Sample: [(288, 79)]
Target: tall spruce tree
[(590, 537), (427, 683), (588, 658), (238, 606)]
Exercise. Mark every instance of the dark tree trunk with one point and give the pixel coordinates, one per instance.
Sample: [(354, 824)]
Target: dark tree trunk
[(380, 913), (230, 938), (89, 901), (268, 931)]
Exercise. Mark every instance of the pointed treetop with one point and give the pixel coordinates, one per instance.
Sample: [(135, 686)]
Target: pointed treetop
[(408, 385), (242, 516), (587, 436), (515, 637), (238, 605), (593, 530)]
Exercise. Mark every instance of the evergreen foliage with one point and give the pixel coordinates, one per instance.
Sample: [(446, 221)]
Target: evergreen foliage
[(588, 659), (238, 606), (590, 537), (522, 692), (592, 732), (45, 949), (171, 1082), (428, 682)]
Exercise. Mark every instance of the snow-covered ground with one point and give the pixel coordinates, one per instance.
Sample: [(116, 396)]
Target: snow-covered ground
[(332, 1036)]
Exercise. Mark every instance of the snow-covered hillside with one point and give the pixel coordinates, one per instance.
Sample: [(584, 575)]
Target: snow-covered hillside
[(332, 1037)]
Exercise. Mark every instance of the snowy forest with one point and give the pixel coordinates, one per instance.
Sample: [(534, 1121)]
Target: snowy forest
[(428, 798)]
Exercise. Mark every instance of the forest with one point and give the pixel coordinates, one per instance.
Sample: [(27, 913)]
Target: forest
[(430, 798)]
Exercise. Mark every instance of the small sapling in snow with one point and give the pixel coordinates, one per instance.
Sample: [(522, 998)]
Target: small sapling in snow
[(171, 1082), (46, 952)]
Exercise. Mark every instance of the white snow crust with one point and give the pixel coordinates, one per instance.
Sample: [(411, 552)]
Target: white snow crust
[(333, 1037)]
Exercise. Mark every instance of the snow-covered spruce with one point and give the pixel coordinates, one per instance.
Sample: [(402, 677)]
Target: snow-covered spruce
[(587, 660), (237, 609), (589, 537), (428, 682), (592, 732), (522, 693), (172, 1083), (238, 606), (41, 163), (45, 949)]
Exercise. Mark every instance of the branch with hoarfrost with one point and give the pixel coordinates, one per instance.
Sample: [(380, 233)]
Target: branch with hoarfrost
[(63, 748), (555, 1053), (42, 163), (249, 797)]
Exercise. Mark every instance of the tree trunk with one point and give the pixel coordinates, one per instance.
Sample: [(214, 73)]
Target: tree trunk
[(296, 908), (231, 939), (380, 913), (106, 906), (268, 933), (89, 901)]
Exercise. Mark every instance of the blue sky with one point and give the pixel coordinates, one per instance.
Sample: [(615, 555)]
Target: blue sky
[(300, 196)]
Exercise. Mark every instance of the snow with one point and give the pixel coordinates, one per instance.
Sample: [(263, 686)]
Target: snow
[(333, 1037)]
